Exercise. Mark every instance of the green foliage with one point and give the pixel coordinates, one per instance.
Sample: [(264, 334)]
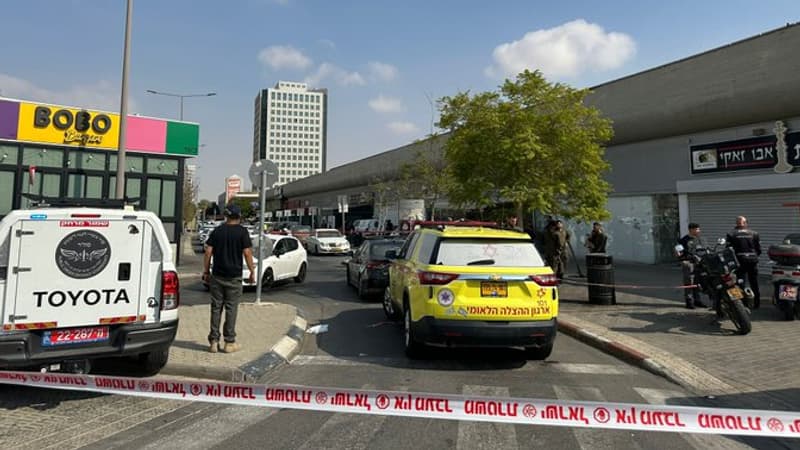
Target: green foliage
[(245, 204), (533, 143), (427, 176)]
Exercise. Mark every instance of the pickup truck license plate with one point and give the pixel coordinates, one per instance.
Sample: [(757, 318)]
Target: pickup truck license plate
[(74, 336), (787, 292), (494, 289)]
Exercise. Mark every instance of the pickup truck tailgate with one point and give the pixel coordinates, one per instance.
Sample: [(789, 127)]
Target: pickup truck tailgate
[(71, 273)]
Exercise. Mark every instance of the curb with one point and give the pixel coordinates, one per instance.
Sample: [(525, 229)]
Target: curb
[(621, 351), (286, 349)]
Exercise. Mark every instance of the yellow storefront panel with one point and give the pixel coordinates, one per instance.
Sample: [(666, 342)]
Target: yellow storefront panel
[(68, 126)]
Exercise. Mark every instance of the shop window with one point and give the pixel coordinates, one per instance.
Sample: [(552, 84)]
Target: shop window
[(168, 198), (8, 155), (133, 164), (85, 186), (86, 161), (133, 187), (162, 166), (153, 196), (42, 157), (7, 179), (46, 184)]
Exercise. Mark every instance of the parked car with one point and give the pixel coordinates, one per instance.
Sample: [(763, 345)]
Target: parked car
[(287, 261), (469, 284), (327, 241), (301, 232), (368, 269)]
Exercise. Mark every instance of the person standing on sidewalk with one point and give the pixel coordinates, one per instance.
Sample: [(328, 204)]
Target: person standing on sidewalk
[(746, 244), (227, 244), (686, 254), (556, 248), (597, 240)]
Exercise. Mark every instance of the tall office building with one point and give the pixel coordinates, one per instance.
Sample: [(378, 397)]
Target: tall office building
[(290, 128)]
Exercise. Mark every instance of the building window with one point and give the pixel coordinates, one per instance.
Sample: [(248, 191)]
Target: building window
[(46, 184), (8, 155), (133, 187), (7, 178), (85, 186), (132, 164), (162, 166), (42, 157)]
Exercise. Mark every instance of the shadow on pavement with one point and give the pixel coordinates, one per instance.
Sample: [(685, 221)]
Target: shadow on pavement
[(366, 335), (676, 323)]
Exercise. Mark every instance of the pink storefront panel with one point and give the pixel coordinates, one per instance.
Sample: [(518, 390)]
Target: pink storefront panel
[(146, 135)]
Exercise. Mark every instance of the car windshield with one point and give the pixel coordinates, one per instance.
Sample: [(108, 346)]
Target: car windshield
[(328, 234), (488, 252), (301, 229), (378, 249)]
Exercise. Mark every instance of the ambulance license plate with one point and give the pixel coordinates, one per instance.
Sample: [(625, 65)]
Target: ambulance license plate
[(787, 292), (74, 336), (494, 289)]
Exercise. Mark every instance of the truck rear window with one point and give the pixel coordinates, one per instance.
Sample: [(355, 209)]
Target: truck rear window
[(488, 252)]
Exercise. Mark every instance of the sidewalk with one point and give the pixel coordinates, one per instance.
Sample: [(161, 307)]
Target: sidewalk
[(270, 333), (651, 328)]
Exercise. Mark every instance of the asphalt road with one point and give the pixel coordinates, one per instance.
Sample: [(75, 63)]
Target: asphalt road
[(360, 350)]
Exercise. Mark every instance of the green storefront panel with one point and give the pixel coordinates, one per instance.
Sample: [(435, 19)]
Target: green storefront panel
[(182, 138)]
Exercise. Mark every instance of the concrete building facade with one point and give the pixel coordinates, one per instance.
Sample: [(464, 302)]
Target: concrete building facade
[(702, 139), (290, 128)]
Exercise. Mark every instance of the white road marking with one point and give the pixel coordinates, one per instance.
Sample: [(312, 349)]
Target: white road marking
[(486, 435), (351, 431), (589, 438), (212, 430), (698, 441), (594, 369)]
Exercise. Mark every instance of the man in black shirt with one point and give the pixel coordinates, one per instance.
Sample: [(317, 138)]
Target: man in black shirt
[(746, 244), (686, 253), (227, 244)]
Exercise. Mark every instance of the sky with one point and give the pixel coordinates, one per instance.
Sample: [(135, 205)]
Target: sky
[(384, 63)]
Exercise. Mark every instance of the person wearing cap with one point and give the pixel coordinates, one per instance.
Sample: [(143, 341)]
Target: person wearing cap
[(227, 244)]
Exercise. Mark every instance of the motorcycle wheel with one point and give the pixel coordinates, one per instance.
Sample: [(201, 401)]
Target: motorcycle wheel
[(739, 316)]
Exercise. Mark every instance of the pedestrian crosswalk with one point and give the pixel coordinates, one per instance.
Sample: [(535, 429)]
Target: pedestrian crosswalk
[(240, 427)]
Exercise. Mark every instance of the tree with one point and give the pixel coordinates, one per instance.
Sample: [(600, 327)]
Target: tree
[(189, 207), (427, 177), (533, 143), (246, 205)]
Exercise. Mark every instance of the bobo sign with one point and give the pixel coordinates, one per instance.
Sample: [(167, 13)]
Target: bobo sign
[(68, 126)]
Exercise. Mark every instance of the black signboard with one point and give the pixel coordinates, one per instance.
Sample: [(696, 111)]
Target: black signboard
[(743, 154)]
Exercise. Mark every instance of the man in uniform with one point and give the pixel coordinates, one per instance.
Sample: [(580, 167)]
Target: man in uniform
[(596, 242), (746, 244), (686, 253), (556, 248)]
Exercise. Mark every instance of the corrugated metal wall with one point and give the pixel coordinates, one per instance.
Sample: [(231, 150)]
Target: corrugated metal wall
[(765, 211)]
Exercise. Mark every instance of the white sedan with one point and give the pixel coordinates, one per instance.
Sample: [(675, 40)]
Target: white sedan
[(327, 240), (286, 261)]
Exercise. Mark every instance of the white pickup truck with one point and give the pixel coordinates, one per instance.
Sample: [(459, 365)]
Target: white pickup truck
[(77, 284)]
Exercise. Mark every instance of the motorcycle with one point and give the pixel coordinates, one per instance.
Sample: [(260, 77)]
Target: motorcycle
[(715, 272), (786, 276)]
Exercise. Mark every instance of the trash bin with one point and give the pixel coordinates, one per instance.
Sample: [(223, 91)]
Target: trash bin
[(600, 271)]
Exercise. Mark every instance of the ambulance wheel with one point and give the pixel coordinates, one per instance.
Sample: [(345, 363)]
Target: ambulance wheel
[(154, 361)]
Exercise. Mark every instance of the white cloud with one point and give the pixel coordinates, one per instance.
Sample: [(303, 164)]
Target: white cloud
[(383, 104), (565, 51), (402, 127), (337, 74), (284, 57), (382, 71), (101, 95)]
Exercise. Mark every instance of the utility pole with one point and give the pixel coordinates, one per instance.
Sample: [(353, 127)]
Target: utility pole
[(123, 105)]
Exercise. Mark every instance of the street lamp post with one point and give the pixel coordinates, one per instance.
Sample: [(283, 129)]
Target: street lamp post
[(123, 105), (181, 96)]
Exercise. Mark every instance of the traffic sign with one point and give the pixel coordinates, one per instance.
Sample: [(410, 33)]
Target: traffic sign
[(263, 171)]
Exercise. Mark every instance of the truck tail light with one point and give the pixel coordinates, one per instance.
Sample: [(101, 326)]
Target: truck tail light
[(545, 280), (85, 215), (437, 278), (170, 290)]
